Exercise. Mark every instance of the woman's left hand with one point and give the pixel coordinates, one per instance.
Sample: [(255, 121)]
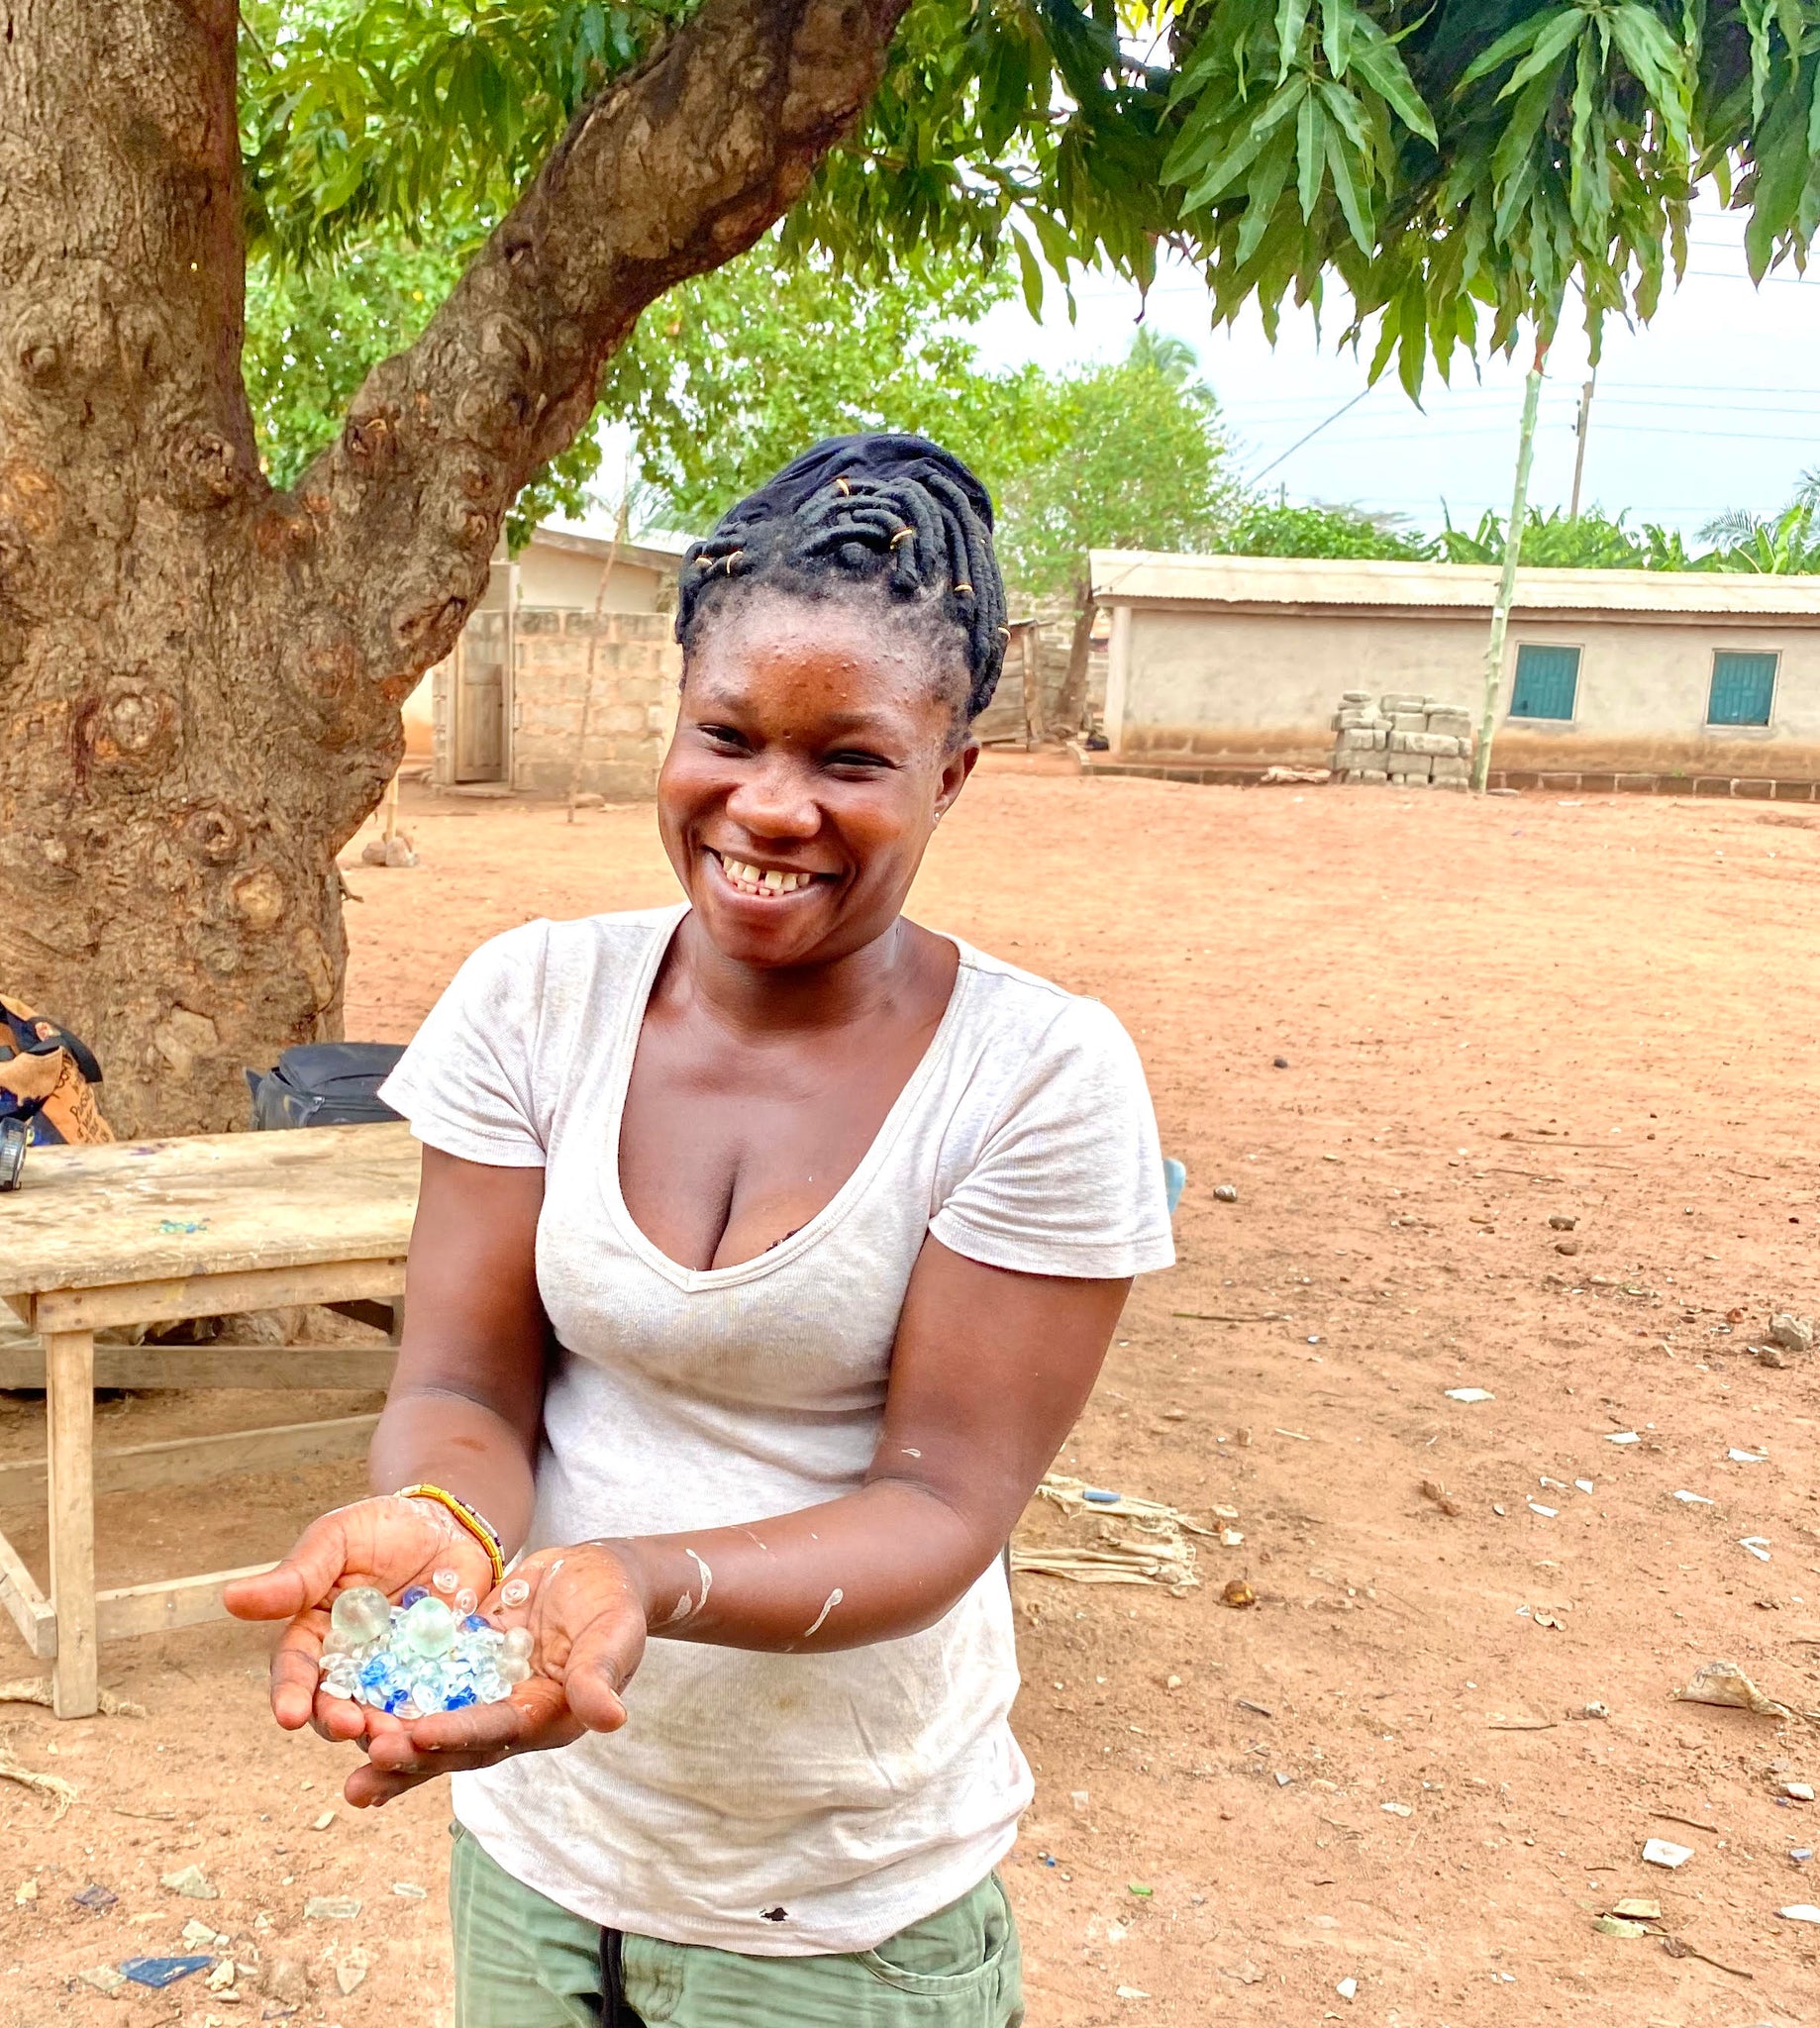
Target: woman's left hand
[(586, 1615)]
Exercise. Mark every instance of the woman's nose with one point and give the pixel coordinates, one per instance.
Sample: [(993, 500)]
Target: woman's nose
[(774, 799)]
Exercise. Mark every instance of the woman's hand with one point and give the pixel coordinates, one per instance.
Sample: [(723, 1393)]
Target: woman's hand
[(388, 1543), (586, 1613)]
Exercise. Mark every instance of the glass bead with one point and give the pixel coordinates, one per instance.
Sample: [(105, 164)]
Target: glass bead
[(518, 1644), (460, 1700), (512, 1671), (429, 1628), (466, 1599), (446, 1580), (410, 1597), (474, 1623), (514, 1591), (361, 1615)]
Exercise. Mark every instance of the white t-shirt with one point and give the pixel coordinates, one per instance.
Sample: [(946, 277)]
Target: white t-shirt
[(774, 1804)]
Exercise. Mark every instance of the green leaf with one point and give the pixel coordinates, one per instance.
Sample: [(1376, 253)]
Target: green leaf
[(1310, 152), (1263, 190), (1030, 270), (1515, 40), (1550, 47), (1291, 21), (1379, 61), (1339, 23), (1354, 206)]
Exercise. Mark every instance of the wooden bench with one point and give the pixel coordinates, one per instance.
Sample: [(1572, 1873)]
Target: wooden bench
[(144, 1232)]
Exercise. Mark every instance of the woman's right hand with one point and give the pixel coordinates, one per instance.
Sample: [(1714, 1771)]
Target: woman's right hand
[(388, 1543)]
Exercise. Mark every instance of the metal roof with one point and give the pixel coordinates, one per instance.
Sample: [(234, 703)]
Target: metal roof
[(645, 556), (1150, 578)]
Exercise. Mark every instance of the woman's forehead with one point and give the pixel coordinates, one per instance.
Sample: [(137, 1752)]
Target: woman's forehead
[(848, 668)]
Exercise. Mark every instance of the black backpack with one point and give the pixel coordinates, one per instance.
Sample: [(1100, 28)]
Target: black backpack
[(325, 1085)]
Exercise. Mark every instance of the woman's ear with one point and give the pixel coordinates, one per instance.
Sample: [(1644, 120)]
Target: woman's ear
[(955, 771)]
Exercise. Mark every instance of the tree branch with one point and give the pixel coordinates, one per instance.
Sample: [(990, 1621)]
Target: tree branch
[(674, 169)]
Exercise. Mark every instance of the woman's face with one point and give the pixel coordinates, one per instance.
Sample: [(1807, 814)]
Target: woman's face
[(813, 754)]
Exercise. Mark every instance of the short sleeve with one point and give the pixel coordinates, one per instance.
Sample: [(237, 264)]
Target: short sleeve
[(465, 1083), (1068, 1179)]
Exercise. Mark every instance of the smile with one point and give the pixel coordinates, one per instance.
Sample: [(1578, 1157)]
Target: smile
[(767, 882)]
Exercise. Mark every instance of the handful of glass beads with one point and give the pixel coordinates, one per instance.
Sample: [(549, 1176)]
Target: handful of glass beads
[(422, 1654)]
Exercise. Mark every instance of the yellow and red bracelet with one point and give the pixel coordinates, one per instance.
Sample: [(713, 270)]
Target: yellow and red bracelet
[(482, 1532)]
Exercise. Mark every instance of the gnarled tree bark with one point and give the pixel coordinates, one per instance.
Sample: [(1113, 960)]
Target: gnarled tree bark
[(200, 678)]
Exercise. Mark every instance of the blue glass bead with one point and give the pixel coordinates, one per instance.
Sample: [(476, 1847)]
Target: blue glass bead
[(397, 1698), (409, 1598), (473, 1624), (461, 1699)]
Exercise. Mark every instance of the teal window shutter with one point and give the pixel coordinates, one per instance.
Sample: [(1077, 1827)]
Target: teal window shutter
[(1744, 686), (1547, 678)]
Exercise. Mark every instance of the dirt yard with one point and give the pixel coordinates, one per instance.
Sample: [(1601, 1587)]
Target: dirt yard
[(1410, 1032)]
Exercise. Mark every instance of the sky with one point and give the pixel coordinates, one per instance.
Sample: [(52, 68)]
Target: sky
[(1715, 404)]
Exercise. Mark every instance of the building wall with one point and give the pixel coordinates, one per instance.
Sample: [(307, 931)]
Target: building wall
[(1258, 687), (628, 702)]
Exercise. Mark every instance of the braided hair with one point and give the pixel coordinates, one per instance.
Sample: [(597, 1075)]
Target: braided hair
[(893, 512)]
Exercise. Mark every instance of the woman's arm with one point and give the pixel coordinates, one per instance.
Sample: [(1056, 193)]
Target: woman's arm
[(464, 1413), (989, 1373), (466, 1401)]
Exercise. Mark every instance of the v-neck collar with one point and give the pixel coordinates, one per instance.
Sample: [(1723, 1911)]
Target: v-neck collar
[(837, 1206)]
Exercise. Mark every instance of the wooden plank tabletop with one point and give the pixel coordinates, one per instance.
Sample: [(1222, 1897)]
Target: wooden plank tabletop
[(208, 1205)]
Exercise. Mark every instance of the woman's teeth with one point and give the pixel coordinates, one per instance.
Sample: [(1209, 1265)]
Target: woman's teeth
[(755, 881)]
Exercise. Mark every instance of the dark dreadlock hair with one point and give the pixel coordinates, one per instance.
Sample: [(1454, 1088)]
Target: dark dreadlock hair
[(893, 511)]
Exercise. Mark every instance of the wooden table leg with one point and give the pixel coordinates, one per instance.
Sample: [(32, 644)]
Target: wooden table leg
[(69, 1384)]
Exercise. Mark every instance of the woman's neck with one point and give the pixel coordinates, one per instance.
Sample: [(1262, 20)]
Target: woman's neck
[(762, 999)]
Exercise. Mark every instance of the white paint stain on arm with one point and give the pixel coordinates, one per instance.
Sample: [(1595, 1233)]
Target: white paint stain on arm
[(707, 1577), (908, 1453), (684, 1606), (834, 1599)]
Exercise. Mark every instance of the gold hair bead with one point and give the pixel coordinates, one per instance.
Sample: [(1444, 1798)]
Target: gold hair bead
[(732, 559), (904, 535), (1004, 633), (959, 588), (843, 487)]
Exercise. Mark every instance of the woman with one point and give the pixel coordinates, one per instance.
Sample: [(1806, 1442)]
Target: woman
[(768, 1249)]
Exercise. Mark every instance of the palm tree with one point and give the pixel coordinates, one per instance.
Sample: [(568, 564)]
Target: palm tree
[(1173, 358)]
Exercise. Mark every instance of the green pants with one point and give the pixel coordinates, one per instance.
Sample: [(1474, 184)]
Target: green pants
[(521, 1962)]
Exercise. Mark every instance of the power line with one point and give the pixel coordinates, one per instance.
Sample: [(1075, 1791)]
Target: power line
[(1312, 434)]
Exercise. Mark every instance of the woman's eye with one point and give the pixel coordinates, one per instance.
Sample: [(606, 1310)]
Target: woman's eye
[(724, 736), (849, 757)]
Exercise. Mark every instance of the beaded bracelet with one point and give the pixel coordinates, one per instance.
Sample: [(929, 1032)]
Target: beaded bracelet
[(482, 1532)]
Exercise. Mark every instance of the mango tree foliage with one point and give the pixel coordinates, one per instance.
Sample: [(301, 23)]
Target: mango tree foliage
[(1462, 166)]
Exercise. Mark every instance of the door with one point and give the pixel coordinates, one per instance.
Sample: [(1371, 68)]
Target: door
[(480, 699), (483, 679)]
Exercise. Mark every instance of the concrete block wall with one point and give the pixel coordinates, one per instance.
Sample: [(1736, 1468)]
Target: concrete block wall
[(622, 715), (1409, 741)]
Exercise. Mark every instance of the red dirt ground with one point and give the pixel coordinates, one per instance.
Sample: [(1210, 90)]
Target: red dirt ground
[(1490, 1012)]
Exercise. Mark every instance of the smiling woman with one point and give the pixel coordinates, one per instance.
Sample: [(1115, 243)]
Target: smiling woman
[(768, 1247)]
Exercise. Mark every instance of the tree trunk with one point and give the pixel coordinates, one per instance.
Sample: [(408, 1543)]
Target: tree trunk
[(1080, 642), (200, 678)]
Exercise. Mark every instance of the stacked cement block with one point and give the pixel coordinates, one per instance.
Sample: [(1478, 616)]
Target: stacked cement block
[(1411, 742)]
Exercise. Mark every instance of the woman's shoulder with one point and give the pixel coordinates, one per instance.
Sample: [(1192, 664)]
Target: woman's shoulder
[(1031, 1021), (1028, 1000), (547, 947)]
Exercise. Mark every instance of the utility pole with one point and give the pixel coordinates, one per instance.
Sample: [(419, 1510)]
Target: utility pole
[(1507, 579), (1579, 430)]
